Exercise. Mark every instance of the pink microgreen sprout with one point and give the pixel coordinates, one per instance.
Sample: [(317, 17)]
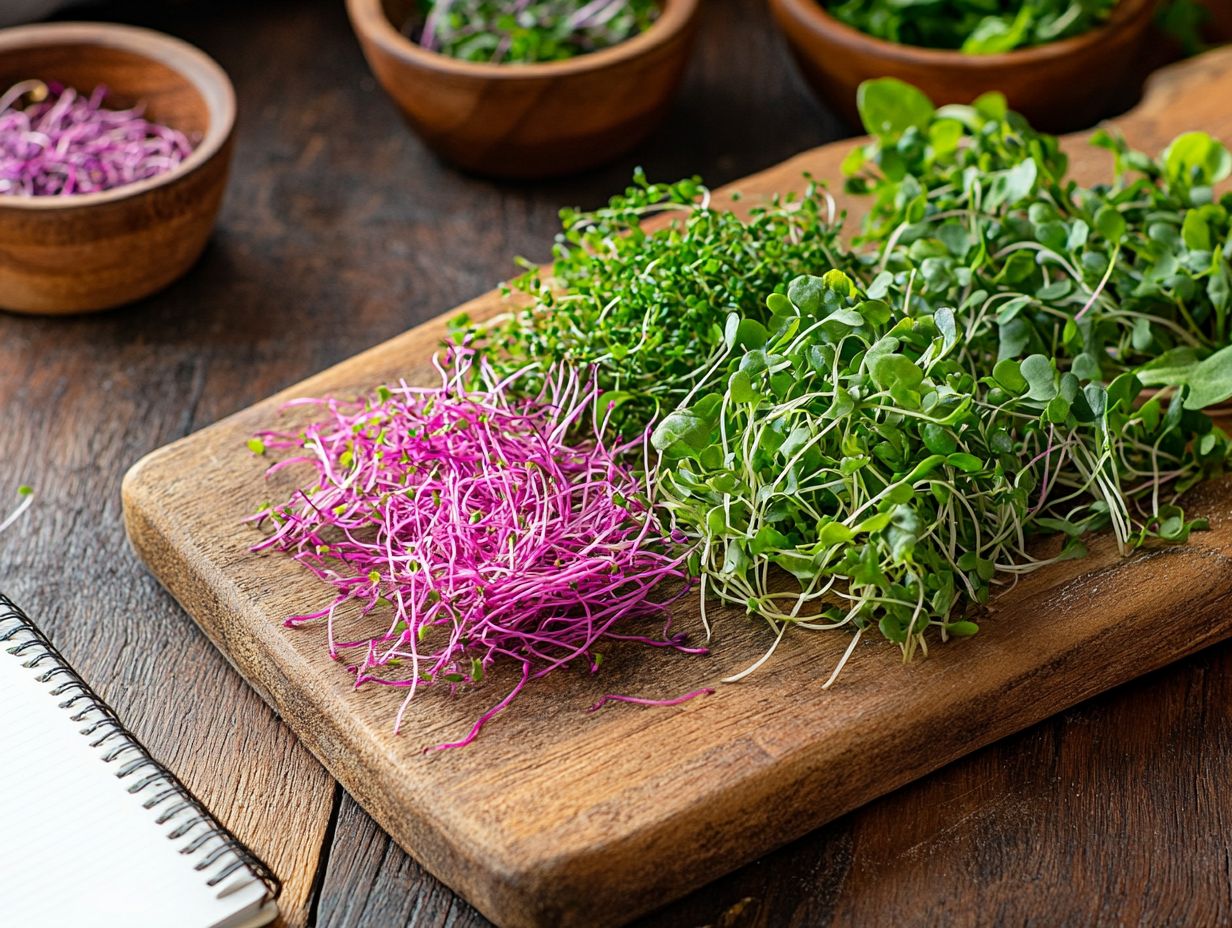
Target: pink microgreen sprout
[(642, 701), (466, 527), (55, 141)]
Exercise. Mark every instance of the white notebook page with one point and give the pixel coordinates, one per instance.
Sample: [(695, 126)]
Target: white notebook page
[(76, 848)]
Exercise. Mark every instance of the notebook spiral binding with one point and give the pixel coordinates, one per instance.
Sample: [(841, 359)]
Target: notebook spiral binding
[(218, 853)]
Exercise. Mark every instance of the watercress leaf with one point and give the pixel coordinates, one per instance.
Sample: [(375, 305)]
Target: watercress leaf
[(1110, 224), (839, 282), (954, 236), (740, 388), (1019, 268), (1061, 526), (751, 334), (874, 523), (968, 463), (1014, 335), (1053, 234), (1172, 368), (1123, 390), (1195, 159), (998, 34), (903, 532), (1040, 375), (807, 293), (843, 404), (1057, 410), (735, 560), (992, 106), (895, 371), (1078, 232), (1096, 399), (1013, 185), (938, 439), (768, 538), (1141, 337), (892, 629), (731, 325), (831, 533), (944, 318), (1008, 374), (755, 361), (1196, 232), (1072, 550), (875, 312), (1210, 382), (680, 433), (922, 470), (1012, 307), (944, 136), (796, 439), (889, 107), (854, 162), (880, 285), (846, 317), (1055, 291), (1069, 386)]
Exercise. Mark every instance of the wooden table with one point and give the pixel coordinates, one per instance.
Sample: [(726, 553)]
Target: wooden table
[(340, 230)]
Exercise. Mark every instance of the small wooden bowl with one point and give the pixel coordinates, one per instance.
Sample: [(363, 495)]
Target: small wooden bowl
[(83, 253), (1059, 87), (529, 120)]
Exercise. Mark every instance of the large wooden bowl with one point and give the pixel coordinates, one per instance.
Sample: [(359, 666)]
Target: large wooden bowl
[(529, 120), (95, 251), (1059, 87)]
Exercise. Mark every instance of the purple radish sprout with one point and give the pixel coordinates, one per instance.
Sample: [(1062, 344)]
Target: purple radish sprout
[(641, 701), (63, 143), (466, 529)]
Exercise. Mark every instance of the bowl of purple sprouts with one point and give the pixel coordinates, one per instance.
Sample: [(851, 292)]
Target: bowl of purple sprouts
[(115, 144), (528, 88)]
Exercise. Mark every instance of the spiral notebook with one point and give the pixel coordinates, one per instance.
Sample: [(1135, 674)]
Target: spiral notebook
[(94, 831)]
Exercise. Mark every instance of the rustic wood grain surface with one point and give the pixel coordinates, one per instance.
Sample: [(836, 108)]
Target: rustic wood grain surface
[(339, 232)]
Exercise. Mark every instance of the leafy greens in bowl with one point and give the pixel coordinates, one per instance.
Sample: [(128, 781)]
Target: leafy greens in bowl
[(977, 27), (991, 27)]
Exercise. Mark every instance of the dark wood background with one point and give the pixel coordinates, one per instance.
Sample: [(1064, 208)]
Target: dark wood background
[(340, 231)]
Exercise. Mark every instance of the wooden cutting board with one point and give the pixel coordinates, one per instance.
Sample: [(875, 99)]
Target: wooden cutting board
[(560, 817)]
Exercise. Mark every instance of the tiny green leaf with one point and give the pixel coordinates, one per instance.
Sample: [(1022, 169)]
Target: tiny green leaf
[(889, 107)]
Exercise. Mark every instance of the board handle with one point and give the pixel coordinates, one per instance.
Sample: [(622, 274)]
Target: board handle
[(1187, 95)]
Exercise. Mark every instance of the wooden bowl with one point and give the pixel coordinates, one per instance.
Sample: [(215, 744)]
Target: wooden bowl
[(95, 251), (529, 120), (1059, 87)]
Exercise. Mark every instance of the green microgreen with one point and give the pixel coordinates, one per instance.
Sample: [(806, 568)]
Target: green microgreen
[(526, 31), (646, 307), (1131, 275), (862, 462), (1004, 356), (977, 27)]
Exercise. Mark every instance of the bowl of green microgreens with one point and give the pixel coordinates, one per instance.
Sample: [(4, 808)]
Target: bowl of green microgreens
[(1061, 63), (528, 88)]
